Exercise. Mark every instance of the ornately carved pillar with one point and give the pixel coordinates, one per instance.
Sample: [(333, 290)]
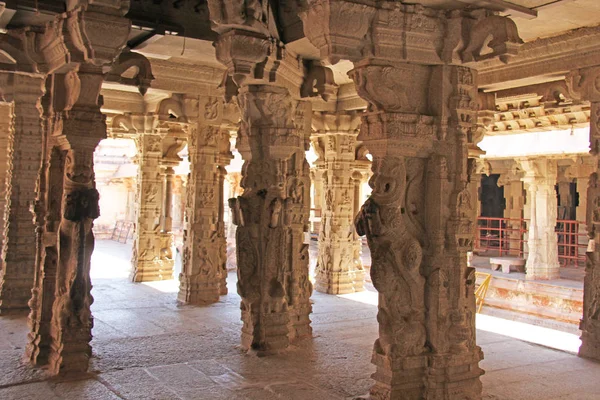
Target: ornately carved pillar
[(422, 117), (204, 274), (540, 179), (272, 213), (586, 83), (24, 152), (151, 259), (60, 319), (418, 222), (6, 131), (272, 217), (339, 267)]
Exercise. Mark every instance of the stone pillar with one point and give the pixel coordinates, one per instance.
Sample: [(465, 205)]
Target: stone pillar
[(581, 172), (152, 255), (420, 123), (272, 217), (60, 319), (169, 176), (6, 131), (339, 267), (235, 190), (418, 222), (204, 275), (583, 83), (273, 212), (24, 153), (514, 198), (540, 178)]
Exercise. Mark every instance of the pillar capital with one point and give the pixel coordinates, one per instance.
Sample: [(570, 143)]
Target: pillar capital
[(540, 172), (429, 36)]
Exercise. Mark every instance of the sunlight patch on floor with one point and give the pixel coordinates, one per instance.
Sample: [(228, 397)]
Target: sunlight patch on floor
[(518, 330), (107, 266), (365, 297), (529, 333), (170, 286)]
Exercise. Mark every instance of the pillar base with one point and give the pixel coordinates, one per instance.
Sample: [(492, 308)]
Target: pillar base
[(14, 296), (272, 336), (201, 293), (427, 376), (590, 341), (343, 282), (542, 272), (153, 271)]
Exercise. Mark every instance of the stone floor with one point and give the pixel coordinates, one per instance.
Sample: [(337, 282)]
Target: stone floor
[(147, 347)]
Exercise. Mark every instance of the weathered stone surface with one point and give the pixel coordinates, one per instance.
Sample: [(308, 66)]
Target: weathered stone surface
[(272, 218), (152, 257), (24, 144), (60, 319), (540, 179), (339, 267), (203, 278)]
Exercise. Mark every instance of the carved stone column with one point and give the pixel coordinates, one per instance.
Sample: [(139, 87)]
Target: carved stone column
[(540, 179), (24, 152), (515, 199), (204, 275), (581, 172), (60, 319), (421, 121), (272, 213), (152, 259), (419, 226), (585, 84), (339, 267), (235, 190), (272, 217), (6, 131)]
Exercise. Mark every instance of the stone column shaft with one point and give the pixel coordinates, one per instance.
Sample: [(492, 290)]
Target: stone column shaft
[(152, 255), (24, 153), (204, 275), (419, 226), (590, 323), (168, 200), (339, 267), (513, 195), (271, 217), (540, 179), (6, 131)]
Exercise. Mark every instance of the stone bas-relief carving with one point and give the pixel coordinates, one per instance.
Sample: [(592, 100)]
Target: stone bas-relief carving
[(339, 267), (25, 141), (272, 217), (590, 323), (586, 85), (204, 275), (152, 257), (418, 222)]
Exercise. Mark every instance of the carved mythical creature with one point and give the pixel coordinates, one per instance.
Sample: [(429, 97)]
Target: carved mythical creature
[(396, 258)]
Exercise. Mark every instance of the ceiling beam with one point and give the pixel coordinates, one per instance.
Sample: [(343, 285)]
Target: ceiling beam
[(501, 5)]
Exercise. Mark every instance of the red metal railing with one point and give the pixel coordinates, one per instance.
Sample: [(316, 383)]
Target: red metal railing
[(505, 236), (572, 242), (501, 236)]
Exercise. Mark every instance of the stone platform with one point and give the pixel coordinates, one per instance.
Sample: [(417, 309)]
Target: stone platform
[(560, 299)]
